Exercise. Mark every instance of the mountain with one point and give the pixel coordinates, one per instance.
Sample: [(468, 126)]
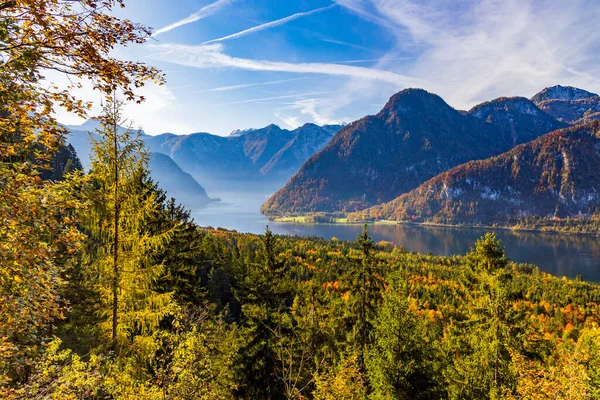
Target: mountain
[(176, 182), (169, 176), (80, 140), (413, 138), (555, 175), (515, 120), (91, 125), (569, 104), (205, 156), (306, 142), (269, 153), (251, 157), (260, 145)]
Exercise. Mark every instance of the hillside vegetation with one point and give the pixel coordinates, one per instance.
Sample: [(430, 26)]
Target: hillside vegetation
[(552, 177), (413, 138)]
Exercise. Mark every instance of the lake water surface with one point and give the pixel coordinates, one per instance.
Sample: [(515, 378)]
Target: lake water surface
[(558, 254)]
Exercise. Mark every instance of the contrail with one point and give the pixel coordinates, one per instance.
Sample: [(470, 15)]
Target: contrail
[(198, 15), (271, 24), (246, 85)]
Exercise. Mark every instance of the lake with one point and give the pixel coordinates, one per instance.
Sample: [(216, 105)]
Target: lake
[(558, 254)]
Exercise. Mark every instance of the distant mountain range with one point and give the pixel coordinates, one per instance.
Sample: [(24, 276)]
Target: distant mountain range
[(556, 175), (417, 160), (169, 176), (412, 139), (266, 154)]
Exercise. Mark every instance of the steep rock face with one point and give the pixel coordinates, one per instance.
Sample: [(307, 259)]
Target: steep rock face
[(568, 104), (177, 183), (515, 119), (306, 141), (261, 145), (415, 137), (555, 175)]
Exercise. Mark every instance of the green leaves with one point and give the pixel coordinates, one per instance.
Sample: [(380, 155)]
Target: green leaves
[(487, 255), (124, 242)]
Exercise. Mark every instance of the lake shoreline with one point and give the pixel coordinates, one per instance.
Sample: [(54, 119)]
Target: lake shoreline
[(302, 220)]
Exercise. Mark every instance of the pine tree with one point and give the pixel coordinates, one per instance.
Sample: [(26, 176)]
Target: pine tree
[(264, 294), (487, 255), (119, 220), (400, 364), (488, 337), (366, 285)]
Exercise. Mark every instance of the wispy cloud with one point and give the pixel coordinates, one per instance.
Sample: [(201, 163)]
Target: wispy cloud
[(342, 43), (474, 51), (310, 108), (212, 56), (467, 51), (261, 99), (359, 8), (291, 122), (247, 85), (378, 60), (269, 25), (204, 12)]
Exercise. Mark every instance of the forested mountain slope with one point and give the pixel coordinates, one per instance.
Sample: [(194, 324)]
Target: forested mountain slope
[(554, 176), (415, 137)]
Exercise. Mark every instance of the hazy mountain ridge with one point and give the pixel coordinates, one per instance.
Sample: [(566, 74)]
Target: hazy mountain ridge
[(416, 136), (569, 104), (555, 175), (304, 144), (177, 183), (167, 174), (270, 154), (253, 154)]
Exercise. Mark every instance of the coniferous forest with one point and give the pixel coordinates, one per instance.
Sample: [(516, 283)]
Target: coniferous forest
[(110, 290)]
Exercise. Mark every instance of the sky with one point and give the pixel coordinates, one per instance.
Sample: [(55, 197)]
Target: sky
[(238, 64)]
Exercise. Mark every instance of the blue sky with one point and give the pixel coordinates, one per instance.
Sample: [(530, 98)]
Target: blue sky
[(234, 64)]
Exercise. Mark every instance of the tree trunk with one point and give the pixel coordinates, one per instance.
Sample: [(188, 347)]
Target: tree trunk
[(115, 286)]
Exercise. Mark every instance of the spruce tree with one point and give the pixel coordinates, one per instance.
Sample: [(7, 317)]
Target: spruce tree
[(400, 363), (365, 284), (482, 360), (263, 297), (122, 207)]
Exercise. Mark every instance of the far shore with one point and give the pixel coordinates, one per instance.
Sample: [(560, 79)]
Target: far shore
[(313, 220)]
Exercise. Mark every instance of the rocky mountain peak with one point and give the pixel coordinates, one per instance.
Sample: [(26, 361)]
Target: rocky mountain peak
[(563, 93), (411, 100)]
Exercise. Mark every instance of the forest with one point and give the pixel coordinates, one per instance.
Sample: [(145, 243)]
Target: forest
[(110, 290)]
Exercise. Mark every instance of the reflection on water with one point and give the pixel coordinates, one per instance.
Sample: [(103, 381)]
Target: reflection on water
[(561, 255)]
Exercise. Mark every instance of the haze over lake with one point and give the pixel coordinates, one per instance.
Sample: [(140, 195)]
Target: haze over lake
[(558, 254)]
